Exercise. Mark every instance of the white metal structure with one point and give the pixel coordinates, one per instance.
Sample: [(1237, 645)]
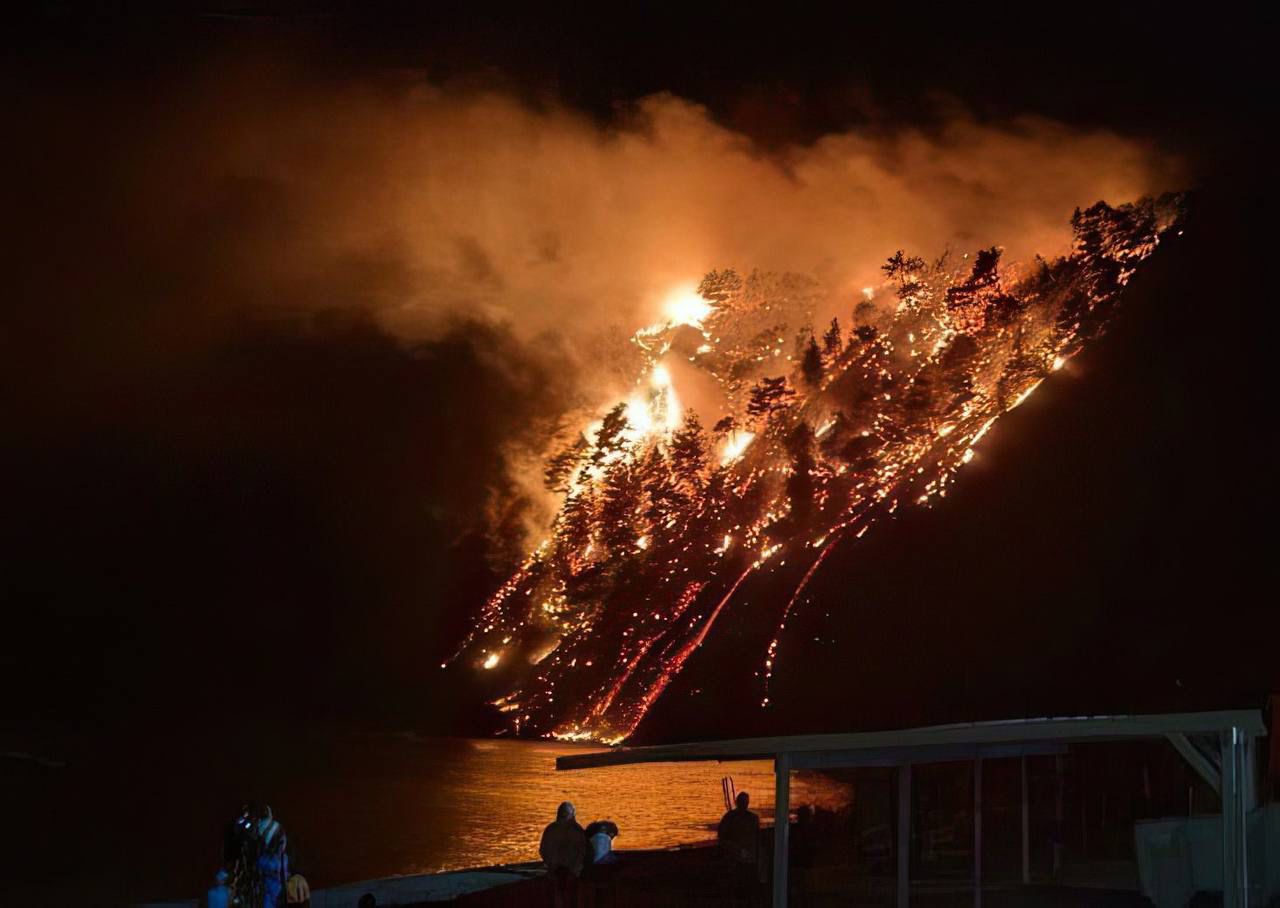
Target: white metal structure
[(1225, 762)]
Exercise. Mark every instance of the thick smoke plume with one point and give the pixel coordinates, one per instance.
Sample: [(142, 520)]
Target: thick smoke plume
[(523, 240), (427, 206), (541, 217)]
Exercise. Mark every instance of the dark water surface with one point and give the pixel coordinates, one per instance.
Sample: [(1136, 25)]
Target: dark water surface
[(129, 820)]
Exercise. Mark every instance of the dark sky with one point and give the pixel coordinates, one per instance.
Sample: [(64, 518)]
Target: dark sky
[(204, 502)]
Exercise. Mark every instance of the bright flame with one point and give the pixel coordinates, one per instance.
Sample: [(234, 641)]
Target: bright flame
[(639, 418), (734, 445), (491, 661), (686, 307)]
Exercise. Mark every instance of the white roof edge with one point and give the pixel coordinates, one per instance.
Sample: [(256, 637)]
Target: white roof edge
[(1046, 729)]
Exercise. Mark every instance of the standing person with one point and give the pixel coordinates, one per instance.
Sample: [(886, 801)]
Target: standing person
[(563, 849), (236, 846), (804, 849), (273, 858), (234, 835), (739, 839)]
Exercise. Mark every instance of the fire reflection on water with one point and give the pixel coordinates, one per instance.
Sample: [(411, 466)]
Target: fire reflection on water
[(503, 792)]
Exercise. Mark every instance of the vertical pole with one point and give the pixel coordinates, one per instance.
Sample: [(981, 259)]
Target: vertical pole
[(781, 827), (1059, 816), (1026, 827), (977, 833), (1249, 769), (1235, 871), (904, 835)]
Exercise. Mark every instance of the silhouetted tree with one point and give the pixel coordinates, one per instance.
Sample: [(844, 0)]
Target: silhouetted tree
[(609, 437), (575, 522), (800, 484), (560, 467), (901, 265), (903, 269), (768, 396), (724, 427), (831, 340), (969, 302), (811, 363), (662, 500), (621, 504), (689, 454), (720, 287)]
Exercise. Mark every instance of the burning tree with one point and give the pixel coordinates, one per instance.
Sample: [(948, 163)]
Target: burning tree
[(662, 524)]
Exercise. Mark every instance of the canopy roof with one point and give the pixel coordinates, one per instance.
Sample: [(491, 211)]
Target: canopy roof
[(938, 743)]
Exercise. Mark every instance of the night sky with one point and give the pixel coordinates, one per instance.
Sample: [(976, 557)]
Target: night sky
[(223, 477)]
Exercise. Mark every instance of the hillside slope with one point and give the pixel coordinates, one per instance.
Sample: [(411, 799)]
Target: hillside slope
[(1107, 550)]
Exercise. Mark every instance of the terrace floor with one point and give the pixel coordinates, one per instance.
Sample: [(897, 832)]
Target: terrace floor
[(692, 877)]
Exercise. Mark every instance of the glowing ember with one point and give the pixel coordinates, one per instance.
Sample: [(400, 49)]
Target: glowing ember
[(818, 437)]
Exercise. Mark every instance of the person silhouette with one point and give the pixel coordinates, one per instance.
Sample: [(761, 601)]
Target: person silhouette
[(738, 836), (563, 849)]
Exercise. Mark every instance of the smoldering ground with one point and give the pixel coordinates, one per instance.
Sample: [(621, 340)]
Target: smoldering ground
[(284, 345)]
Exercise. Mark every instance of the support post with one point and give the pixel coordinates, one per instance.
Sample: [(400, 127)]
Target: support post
[(1235, 864), (781, 828), (904, 835), (1026, 827), (977, 833), (1059, 817)]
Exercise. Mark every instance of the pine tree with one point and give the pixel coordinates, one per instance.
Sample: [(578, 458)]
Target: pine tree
[(768, 396), (811, 364), (610, 436), (970, 302), (573, 526), (662, 501), (560, 467), (903, 269), (689, 455), (831, 340), (720, 287), (620, 506), (725, 427), (900, 266), (800, 484)]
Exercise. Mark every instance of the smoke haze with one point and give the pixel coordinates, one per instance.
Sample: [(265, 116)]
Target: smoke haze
[(426, 205), (346, 315)]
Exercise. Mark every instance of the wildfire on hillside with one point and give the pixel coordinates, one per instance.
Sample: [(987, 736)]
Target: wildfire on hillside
[(822, 434)]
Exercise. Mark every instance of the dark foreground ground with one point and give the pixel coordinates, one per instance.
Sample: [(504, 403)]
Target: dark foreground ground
[(691, 877)]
